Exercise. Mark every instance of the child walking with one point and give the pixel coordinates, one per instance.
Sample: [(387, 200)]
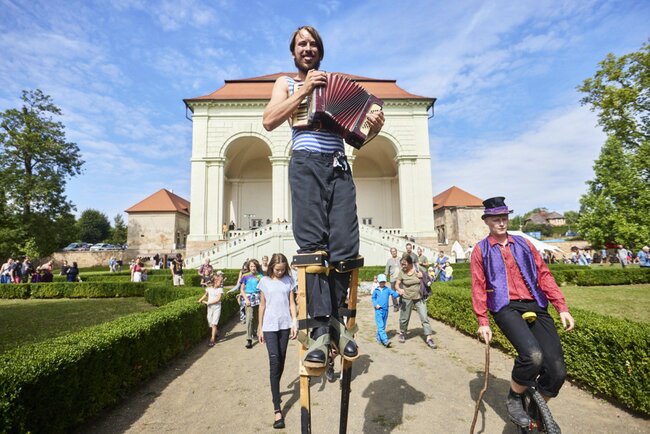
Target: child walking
[(380, 297), (277, 323), (212, 298)]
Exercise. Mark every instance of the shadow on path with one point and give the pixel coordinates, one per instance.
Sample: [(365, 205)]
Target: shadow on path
[(495, 397), (386, 400)]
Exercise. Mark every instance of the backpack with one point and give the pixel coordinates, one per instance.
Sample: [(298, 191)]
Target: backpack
[(425, 285)]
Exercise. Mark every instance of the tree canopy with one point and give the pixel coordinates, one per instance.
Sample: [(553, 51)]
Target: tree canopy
[(617, 203), (36, 163), (93, 226)]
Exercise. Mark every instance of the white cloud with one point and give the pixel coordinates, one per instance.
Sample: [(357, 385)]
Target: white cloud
[(546, 166)]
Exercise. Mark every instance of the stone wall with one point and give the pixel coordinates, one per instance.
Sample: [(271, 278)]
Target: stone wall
[(88, 259)]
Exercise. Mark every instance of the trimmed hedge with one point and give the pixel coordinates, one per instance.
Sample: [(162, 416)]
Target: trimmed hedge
[(72, 290), (54, 385), (608, 355), (10, 290)]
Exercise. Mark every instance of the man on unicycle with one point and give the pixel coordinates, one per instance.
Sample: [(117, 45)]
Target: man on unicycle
[(511, 280)]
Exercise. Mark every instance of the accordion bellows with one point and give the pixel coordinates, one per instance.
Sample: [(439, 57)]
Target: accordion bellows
[(340, 107)]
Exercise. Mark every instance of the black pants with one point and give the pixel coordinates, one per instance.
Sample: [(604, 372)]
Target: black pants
[(324, 206), (276, 345), (540, 360)]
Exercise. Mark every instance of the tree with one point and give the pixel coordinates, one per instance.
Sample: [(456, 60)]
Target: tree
[(93, 226), (35, 166), (571, 217), (516, 223), (617, 203), (119, 231)]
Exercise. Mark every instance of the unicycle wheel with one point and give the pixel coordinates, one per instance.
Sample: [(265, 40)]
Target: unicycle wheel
[(540, 415)]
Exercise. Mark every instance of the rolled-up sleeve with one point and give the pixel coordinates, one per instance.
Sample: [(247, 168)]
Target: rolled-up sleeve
[(479, 293)]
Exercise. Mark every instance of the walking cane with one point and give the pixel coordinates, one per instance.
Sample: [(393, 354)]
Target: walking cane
[(485, 386)]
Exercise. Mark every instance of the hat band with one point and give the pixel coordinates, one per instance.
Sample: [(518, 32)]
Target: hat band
[(496, 211)]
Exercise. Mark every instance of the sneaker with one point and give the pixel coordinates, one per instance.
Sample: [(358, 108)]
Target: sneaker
[(402, 338), (329, 373), (211, 344), (431, 344), (387, 344), (249, 343), (516, 410)]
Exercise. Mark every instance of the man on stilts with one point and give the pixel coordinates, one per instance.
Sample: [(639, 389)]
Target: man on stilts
[(323, 199)]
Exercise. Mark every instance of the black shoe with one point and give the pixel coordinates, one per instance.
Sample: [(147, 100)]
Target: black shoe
[(329, 373), (351, 350), (317, 357), (279, 424), (516, 410), (249, 343)]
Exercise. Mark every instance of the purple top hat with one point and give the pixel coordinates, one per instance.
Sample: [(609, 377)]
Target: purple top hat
[(495, 206)]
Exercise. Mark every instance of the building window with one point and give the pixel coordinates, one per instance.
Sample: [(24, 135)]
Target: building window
[(442, 235), (366, 221), (256, 223)]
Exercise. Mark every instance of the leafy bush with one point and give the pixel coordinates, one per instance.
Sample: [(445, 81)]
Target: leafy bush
[(606, 354), (86, 290), (54, 385), (14, 291)]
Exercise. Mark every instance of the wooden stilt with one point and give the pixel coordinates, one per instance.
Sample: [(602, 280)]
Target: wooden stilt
[(302, 262), (346, 365)]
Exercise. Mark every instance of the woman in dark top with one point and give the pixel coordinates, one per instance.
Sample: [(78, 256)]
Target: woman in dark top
[(73, 273)]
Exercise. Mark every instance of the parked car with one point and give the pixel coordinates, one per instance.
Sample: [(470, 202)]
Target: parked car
[(99, 247), (72, 247), (85, 246)]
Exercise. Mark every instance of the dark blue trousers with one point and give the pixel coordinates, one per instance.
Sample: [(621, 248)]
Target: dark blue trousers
[(276, 345), (540, 360), (324, 206)]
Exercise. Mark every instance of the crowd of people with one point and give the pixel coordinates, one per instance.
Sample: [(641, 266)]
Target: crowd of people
[(23, 270)]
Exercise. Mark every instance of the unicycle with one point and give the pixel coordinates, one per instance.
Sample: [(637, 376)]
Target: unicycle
[(541, 420)]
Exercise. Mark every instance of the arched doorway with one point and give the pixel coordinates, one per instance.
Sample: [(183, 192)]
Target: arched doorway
[(247, 184), (376, 177)]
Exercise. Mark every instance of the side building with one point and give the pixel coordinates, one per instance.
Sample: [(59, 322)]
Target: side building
[(457, 216), (160, 223)]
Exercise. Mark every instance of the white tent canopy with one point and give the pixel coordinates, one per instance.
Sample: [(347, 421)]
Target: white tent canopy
[(457, 250), (539, 245)]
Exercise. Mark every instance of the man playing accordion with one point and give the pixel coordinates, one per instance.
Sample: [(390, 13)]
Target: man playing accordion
[(323, 193)]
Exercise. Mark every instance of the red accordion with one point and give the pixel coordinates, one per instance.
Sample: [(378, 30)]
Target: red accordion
[(340, 107)]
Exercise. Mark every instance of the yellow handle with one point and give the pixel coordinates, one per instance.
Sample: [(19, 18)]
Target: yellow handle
[(529, 316)]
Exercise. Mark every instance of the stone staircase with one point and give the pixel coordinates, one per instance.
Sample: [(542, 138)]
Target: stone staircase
[(278, 237)]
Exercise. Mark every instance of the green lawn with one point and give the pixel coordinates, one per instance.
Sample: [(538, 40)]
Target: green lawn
[(624, 301), (34, 320)]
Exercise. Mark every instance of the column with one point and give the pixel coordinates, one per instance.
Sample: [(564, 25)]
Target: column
[(408, 201), (214, 187), (280, 187)]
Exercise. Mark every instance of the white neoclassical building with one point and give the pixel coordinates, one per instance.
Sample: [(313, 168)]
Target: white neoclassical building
[(240, 175)]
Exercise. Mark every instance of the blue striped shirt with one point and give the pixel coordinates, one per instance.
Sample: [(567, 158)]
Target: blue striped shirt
[(313, 141)]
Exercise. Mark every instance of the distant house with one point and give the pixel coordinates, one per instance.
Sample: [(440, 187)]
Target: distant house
[(546, 218), (158, 224), (457, 217)]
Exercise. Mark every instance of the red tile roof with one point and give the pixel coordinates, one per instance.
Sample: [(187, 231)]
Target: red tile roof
[(162, 201), (455, 196), (261, 87)]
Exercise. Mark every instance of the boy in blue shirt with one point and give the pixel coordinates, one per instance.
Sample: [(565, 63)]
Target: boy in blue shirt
[(380, 302)]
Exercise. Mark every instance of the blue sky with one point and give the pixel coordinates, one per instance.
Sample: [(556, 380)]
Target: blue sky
[(507, 122)]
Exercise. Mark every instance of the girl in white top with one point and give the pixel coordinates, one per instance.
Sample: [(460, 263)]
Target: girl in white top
[(212, 298), (278, 322)]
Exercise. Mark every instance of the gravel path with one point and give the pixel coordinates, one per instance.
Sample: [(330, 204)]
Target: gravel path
[(407, 388)]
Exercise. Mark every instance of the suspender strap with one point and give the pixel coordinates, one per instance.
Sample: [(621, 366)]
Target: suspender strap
[(311, 323), (349, 264), (345, 312)]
